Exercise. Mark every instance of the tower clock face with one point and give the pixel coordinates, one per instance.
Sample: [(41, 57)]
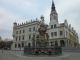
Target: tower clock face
[(53, 17)]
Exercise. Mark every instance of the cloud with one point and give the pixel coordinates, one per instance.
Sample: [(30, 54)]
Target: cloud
[(47, 15), (6, 23), (11, 11), (19, 7)]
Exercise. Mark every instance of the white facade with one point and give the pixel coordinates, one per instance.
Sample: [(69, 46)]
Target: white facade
[(23, 34)]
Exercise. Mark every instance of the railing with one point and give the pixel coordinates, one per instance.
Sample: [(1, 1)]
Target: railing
[(42, 51)]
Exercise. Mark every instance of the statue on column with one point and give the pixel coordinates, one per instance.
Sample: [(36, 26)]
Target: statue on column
[(42, 39)]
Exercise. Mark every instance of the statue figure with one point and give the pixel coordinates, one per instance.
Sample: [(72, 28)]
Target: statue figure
[(42, 39)]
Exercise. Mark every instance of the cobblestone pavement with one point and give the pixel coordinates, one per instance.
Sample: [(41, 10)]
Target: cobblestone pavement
[(8, 55)]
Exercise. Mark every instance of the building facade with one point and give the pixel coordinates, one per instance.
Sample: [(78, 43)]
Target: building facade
[(61, 33)]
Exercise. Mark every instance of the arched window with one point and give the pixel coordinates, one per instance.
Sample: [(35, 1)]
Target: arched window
[(29, 44), (62, 43)]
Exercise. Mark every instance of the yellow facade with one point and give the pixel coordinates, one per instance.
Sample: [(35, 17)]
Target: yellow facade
[(72, 40)]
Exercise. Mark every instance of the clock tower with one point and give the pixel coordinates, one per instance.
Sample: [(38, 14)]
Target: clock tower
[(53, 17), (53, 14)]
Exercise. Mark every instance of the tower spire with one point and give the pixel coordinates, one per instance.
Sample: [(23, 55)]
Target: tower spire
[(53, 6), (53, 14)]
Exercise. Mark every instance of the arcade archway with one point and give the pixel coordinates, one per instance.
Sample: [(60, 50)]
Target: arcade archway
[(29, 44), (62, 43)]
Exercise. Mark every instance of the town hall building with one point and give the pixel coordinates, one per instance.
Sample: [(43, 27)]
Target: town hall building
[(61, 33)]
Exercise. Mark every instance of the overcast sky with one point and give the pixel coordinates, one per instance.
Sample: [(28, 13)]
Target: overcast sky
[(18, 10)]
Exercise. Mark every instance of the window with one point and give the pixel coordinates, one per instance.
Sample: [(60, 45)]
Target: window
[(62, 43), (56, 43), (55, 33), (51, 26), (29, 44), (33, 28), (23, 37), (23, 31), (29, 29), (20, 32), (16, 38), (61, 33), (19, 46), (16, 32), (22, 44), (52, 44), (19, 38), (29, 36), (51, 34), (15, 45), (54, 25), (33, 36)]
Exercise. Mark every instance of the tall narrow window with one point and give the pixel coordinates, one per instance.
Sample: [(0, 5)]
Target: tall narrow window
[(19, 38), (23, 37), (51, 26), (55, 33), (22, 44), (33, 28), (19, 46), (20, 32), (33, 36), (29, 37), (15, 45), (23, 31), (61, 33), (16, 32), (52, 44), (51, 34), (54, 25)]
